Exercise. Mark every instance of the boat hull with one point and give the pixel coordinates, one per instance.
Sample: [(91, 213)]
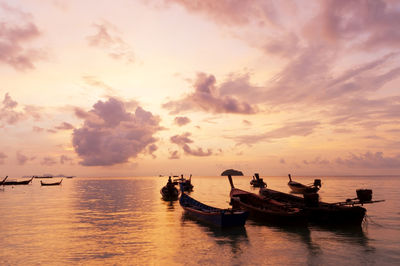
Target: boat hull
[(210, 215), (266, 210), (323, 213), (169, 193)]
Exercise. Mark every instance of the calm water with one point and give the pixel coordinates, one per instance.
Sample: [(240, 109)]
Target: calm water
[(124, 221)]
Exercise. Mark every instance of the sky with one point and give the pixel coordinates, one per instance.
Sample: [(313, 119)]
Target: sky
[(161, 87)]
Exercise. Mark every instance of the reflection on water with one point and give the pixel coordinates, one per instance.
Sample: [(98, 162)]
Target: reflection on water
[(125, 221)]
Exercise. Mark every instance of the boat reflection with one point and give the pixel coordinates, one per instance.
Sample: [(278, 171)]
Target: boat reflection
[(235, 237)]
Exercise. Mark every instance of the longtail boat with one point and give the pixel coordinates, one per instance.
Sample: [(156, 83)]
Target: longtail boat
[(17, 182), (346, 213), (257, 181), (169, 192), (299, 188), (4, 180), (50, 183), (264, 209), (211, 215), (186, 183)]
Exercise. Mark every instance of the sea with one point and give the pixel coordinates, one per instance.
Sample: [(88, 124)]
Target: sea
[(124, 221)]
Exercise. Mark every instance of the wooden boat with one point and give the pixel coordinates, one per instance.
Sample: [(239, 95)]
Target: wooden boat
[(297, 187), (169, 192), (257, 181), (50, 183), (264, 209), (17, 182), (348, 213), (186, 183), (211, 215), (4, 180)]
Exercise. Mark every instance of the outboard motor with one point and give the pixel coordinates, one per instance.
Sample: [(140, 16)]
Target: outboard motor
[(311, 199), (317, 183), (364, 195)]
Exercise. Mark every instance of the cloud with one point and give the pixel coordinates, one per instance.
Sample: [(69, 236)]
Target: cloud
[(65, 159), (22, 159), (182, 120), (174, 155), (16, 31), (3, 156), (206, 98), (65, 126), (183, 140), (374, 24), (93, 81), (302, 128), (111, 135), (317, 161), (8, 115), (233, 13), (49, 161), (370, 160), (108, 38)]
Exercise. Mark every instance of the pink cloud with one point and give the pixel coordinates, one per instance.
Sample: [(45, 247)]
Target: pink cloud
[(65, 159), (65, 126), (7, 113), (108, 38), (49, 161), (233, 12), (22, 159), (174, 155), (206, 98), (183, 140), (111, 135), (182, 120), (370, 160), (3, 156), (302, 128), (16, 31), (373, 23)]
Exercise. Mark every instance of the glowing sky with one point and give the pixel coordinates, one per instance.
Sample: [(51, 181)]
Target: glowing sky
[(148, 87)]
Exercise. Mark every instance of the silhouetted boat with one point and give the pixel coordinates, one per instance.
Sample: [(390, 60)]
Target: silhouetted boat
[(43, 176), (4, 180), (17, 182), (211, 215), (50, 183), (169, 191), (267, 210), (257, 181), (297, 187), (341, 213), (186, 183)]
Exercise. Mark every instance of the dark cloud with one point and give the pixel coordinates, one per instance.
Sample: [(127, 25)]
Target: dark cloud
[(182, 120), (16, 31), (206, 98), (303, 128), (3, 156), (183, 140), (111, 135), (65, 126), (108, 38), (370, 160)]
